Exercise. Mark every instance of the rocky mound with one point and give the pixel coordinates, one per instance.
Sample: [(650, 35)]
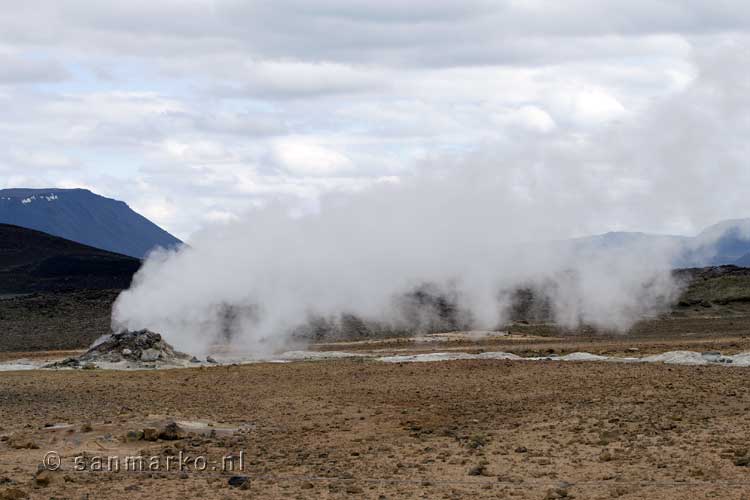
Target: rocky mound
[(141, 346)]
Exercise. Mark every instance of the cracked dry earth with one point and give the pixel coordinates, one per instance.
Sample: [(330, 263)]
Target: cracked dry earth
[(341, 429)]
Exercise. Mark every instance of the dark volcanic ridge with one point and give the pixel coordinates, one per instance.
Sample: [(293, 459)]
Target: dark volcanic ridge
[(32, 261)]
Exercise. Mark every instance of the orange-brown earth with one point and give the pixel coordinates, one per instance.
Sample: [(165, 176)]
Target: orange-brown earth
[(360, 428)]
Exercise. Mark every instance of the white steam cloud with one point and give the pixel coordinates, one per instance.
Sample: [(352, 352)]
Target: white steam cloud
[(464, 231), (475, 227)]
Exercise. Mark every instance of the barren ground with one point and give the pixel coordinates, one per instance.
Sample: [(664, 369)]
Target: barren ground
[(348, 428)]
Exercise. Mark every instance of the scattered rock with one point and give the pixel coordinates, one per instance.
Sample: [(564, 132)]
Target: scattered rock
[(86, 427), (478, 470), (44, 478), (521, 449), (477, 441), (556, 493), (742, 461), (171, 432), (238, 481), (126, 352), (150, 434), (195, 360), (210, 359), (65, 363), (133, 436)]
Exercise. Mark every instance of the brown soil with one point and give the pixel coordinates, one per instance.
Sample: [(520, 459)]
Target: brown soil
[(340, 429)]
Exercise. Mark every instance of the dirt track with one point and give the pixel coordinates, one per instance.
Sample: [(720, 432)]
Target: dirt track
[(462, 429)]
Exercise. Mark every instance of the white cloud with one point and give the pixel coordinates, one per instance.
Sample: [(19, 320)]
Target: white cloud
[(596, 105), (27, 69), (302, 157), (212, 107)]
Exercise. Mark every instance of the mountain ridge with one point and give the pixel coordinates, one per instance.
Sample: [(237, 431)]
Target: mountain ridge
[(724, 243), (85, 217), (33, 261)]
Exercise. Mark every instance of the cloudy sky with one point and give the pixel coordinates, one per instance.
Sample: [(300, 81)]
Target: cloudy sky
[(195, 111)]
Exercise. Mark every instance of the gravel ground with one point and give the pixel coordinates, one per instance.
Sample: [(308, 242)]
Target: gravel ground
[(345, 428)]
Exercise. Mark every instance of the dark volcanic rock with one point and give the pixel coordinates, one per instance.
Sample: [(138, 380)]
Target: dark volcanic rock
[(142, 346), (238, 481), (171, 432)]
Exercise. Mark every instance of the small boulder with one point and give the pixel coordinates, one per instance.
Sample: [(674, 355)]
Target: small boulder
[(44, 478), (150, 434), (239, 481), (171, 432), (557, 493), (133, 436), (478, 470)]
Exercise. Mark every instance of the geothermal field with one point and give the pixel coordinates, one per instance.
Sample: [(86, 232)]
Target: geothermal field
[(374, 249), (529, 411)]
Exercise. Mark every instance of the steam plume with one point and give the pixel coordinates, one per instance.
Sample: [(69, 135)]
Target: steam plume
[(474, 227)]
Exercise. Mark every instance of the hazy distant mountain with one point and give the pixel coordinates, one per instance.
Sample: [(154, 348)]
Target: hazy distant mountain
[(725, 243), (84, 217)]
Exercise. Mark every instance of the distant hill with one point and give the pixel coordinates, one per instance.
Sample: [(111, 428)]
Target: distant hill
[(727, 242), (723, 244), (32, 261), (84, 217)]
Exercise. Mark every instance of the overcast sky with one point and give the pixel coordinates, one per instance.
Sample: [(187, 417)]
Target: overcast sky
[(194, 111)]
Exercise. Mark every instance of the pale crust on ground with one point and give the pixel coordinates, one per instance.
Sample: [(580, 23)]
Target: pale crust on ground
[(347, 428)]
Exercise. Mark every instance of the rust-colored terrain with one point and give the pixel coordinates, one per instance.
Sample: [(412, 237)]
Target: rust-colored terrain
[(362, 428)]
